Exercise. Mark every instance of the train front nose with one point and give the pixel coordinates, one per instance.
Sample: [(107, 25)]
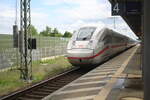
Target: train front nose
[(80, 57)]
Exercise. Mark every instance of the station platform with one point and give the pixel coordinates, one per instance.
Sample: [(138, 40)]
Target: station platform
[(118, 79)]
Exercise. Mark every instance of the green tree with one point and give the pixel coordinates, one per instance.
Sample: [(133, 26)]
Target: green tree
[(55, 33), (67, 34), (49, 32), (43, 33), (33, 30), (46, 32), (58, 35)]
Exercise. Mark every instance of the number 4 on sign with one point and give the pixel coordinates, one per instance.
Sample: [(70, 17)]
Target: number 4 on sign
[(116, 8)]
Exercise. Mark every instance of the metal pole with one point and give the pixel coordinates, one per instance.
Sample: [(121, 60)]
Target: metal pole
[(26, 54), (146, 50), (25, 39), (21, 40)]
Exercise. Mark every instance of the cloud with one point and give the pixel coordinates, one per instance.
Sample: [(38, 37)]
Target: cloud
[(39, 19), (66, 15), (7, 13), (63, 17), (7, 18), (76, 25), (84, 9), (73, 13), (53, 3)]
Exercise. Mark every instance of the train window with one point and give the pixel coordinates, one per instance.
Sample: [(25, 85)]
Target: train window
[(86, 33)]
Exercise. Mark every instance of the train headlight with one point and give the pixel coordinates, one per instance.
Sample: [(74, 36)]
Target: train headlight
[(90, 44), (73, 44)]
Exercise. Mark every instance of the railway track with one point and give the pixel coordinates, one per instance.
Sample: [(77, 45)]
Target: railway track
[(44, 88)]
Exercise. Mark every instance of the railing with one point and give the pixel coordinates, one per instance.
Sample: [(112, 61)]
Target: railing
[(46, 47)]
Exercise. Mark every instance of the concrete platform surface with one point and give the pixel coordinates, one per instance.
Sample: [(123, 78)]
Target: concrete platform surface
[(99, 83), (130, 87)]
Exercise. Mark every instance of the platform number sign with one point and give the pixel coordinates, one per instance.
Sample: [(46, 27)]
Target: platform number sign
[(117, 8)]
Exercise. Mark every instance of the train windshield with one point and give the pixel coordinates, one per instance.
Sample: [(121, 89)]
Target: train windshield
[(85, 33)]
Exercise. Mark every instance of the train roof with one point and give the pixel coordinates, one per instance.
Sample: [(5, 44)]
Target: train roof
[(104, 27)]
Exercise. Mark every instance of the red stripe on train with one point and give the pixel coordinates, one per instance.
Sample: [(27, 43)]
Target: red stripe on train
[(91, 57), (101, 52)]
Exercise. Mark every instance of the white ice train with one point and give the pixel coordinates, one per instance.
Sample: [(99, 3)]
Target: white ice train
[(92, 44)]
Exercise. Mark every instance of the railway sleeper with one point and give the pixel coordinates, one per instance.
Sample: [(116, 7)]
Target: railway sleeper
[(32, 96), (45, 90), (62, 80), (40, 93), (69, 79), (51, 88), (24, 98), (55, 85)]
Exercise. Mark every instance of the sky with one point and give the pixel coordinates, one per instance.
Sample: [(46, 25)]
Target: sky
[(66, 15)]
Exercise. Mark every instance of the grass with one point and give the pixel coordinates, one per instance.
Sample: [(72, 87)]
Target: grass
[(9, 80)]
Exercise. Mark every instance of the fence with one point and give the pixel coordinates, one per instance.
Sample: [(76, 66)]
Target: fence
[(46, 47)]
